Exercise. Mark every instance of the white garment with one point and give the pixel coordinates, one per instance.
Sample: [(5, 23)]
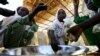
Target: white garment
[(59, 27), (80, 42), (86, 11), (96, 28), (67, 24), (7, 21), (10, 19), (67, 21)]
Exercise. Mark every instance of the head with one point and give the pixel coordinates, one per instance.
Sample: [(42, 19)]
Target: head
[(61, 15), (4, 2), (22, 11), (90, 5)]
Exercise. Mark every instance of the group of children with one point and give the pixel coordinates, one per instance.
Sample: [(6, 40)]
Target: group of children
[(18, 28)]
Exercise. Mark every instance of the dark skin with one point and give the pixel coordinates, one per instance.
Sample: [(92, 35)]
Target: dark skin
[(54, 42), (78, 29), (6, 12), (61, 15), (22, 11), (90, 5), (83, 26), (4, 2), (38, 8), (76, 4)]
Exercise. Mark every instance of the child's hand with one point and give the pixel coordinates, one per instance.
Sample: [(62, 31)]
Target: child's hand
[(76, 2), (41, 7)]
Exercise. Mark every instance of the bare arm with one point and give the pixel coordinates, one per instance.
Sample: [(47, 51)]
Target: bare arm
[(91, 22), (76, 4), (77, 30), (6, 12), (29, 19), (4, 2), (39, 8), (54, 42)]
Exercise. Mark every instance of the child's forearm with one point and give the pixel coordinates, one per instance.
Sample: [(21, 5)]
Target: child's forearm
[(6, 12), (39, 8)]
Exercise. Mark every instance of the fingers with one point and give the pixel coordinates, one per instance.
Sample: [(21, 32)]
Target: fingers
[(41, 6), (44, 7), (41, 3), (75, 31), (76, 2)]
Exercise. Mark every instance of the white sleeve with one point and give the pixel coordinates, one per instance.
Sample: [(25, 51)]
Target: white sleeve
[(5, 22), (52, 26)]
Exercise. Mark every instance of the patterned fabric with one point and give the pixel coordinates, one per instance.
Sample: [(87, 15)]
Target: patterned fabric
[(19, 33)]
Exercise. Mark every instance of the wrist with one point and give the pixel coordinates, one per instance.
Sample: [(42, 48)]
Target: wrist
[(76, 7)]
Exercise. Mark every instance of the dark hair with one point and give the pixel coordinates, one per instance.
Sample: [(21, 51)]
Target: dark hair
[(27, 11)]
